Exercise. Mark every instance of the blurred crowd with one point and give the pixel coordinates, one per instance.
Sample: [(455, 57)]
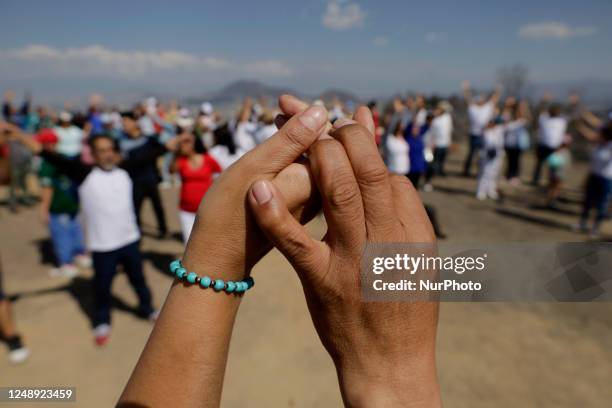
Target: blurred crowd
[(96, 167)]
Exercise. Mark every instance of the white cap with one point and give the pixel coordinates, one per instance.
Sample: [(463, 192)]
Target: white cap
[(65, 116), (106, 118), (206, 108), (151, 101), (184, 113), (184, 122)]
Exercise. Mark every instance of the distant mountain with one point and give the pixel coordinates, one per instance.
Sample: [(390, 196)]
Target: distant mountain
[(238, 90), (235, 92)]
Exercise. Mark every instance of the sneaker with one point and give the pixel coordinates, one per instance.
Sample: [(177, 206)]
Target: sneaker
[(18, 353), (428, 188), (64, 271), (101, 334), (493, 195), (83, 261), (481, 196)]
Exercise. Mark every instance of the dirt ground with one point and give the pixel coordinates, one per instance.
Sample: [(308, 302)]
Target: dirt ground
[(489, 354)]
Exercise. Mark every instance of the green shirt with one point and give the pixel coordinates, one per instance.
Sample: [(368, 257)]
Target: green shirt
[(65, 199)]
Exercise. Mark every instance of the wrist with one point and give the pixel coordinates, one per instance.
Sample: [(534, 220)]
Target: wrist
[(398, 382)]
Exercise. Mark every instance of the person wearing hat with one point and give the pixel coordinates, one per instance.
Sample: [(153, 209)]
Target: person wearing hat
[(206, 125), (70, 137), (146, 178), (59, 210)]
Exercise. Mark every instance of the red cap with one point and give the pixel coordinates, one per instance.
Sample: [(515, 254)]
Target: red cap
[(47, 136)]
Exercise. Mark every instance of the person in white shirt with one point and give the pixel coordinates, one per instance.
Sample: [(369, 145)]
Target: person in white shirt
[(599, 185), (480, 113), (398, 159), (244, 132), (420, 112), (516, 139), (551, 131), (266, 128), (440, 136), (112, 233), (206, 124), (225, 151), (491, 157), (70, 137)]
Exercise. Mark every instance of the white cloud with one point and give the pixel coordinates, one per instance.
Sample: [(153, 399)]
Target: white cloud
[(553, 30), (340, 15), (434, 37), (97, 60), (380, 41)]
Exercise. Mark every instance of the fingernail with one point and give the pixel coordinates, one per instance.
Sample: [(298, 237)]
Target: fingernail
[(314, 117), (261, 192), (343, 122)]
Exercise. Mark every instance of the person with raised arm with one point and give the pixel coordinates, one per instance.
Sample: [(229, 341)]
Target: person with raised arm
[(384, 353), (112, 234), (480, 112)]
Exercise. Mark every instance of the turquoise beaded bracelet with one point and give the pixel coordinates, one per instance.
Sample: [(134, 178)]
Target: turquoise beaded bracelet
[(177, 270)]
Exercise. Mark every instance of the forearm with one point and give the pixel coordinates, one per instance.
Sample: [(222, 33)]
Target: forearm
[(45, 198), (183, 363), (74, 169)]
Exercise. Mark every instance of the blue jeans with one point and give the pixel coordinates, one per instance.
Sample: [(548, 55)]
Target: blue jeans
[(598, 193), (67, 237), (475, 145), (105, 268)]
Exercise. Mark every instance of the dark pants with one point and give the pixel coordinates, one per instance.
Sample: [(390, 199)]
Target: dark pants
[(414, 178), (514, 162), (148, 189), (542, 153), (598, 192), (105, 267), (436, 167), (433, 218), (475, 145), (439, 158)]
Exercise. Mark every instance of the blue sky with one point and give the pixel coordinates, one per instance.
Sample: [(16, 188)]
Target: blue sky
[(369, 47)]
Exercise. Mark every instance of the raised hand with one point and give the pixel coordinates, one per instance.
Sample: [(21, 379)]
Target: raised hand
[(384, 352)]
